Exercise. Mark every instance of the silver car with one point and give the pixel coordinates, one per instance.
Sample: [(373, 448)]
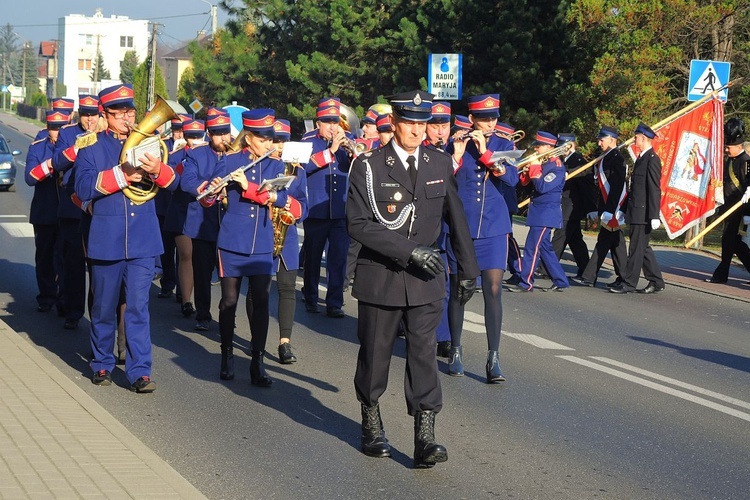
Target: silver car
[(7, 166)]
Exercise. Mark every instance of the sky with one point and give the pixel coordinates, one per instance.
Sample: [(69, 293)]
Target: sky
[(181, 19)]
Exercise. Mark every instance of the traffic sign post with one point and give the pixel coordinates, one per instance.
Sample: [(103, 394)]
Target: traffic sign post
[(444, 78), (706, 77), (195, 106)]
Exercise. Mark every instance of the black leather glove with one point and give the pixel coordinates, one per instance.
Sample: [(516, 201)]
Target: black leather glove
[(465, 290), (428, 259)]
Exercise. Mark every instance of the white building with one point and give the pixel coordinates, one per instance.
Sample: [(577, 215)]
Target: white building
[(80, 39)]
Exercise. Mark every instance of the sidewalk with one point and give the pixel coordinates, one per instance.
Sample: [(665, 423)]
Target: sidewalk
[(57, 441)]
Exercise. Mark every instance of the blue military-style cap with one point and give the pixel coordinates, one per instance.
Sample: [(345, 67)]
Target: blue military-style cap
[(415, 105), (644, 129), (544, 139), (484, 106), (564, 137), (441, 112), (259, 121), (608, 132)]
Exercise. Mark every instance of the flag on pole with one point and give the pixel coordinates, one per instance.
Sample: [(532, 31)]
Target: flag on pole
[(691, 151)]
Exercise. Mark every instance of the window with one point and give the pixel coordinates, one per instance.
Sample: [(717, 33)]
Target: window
[(126, 42), (87, 39), (84, 64)]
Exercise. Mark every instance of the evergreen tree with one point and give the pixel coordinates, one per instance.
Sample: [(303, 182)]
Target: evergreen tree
[(127, 66), (99, 72), (140, 87)]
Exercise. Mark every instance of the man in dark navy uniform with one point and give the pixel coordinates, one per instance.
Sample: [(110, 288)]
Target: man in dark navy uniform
[(123, 241), (43, 216), (644, 199), (69, 210), (326, 221), (399, 196)]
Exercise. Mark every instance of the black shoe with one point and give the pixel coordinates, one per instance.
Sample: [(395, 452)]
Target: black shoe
[(335, 312), (143, 385), (102, 377), (374, 443), (227, 363), (456, 364), (615, 284), (70, 324), (513, 280), (188, 309), (714, 280), (651, 288), (444, 348), (555, 288), (426, 451), (578, 280), (620, 290), (257, 371), (518, 289), (541, 276), (164, 294), (494, 375), (43, 308), (286, 356), (312, 308), (202, 325)]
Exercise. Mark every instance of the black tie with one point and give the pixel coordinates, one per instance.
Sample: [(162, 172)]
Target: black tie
[(412, 162)]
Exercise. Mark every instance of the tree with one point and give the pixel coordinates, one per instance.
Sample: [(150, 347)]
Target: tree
[(8, 49), (140, 87), (99, 72), (127, 66)]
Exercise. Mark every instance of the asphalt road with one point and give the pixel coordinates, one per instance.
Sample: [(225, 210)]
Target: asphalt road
[(607, 396)]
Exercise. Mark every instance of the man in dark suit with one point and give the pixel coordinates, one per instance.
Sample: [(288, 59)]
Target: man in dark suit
[(399, 196), (643, 216), (609, 176)]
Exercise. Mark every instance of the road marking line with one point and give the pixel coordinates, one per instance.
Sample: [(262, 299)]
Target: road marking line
[(12, 216), (684, 385), (658, 387), (18, 229), (474, 322)]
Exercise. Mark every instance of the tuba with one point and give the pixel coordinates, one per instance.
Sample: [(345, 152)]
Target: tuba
[(161, 113), (281, 218)]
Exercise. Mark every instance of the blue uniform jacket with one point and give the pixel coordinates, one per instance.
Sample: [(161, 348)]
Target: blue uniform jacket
[(545, 209), (174, 220), (246, 227), (290, 251), (46, 191), (201, 165), (62, 163), (482, 194), (120, 229), (326, 181)]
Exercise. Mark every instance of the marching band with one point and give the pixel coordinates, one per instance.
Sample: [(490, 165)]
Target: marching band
[(428, 208)]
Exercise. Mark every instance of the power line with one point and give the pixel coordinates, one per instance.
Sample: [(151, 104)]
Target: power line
[(109, 20)]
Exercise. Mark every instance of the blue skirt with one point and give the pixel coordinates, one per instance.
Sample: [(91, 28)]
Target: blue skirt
[(492, 253), (235, 265)]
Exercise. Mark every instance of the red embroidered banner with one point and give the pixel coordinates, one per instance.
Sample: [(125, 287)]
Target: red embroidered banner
[(691, 151)]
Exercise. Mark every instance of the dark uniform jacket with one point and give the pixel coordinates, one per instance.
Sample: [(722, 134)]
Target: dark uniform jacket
[(615, 170), (644, 197), (579, 193), (46, 191), (736, 178), (384, 275)]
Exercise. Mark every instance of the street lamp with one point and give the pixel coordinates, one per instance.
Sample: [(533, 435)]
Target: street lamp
[(214, 17)]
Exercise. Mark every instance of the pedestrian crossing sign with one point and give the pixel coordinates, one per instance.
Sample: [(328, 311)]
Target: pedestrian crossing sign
[(706, 77)]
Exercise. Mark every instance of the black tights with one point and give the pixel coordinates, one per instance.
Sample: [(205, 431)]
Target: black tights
[(492, 287), (256, 305), (285, 283)]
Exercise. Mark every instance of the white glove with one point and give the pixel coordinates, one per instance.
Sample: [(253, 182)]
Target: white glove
[(746, 220), (606, 217), (746, 196), (592, 216), (655, 223)]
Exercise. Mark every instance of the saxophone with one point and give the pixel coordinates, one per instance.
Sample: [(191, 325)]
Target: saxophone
[(282, 218)]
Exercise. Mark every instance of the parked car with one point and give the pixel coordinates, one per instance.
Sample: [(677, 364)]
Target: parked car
[(7, 166)]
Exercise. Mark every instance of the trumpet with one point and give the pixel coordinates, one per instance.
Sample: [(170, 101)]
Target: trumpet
[(517, 136), (490, 134), (211, 191), (542, 157)]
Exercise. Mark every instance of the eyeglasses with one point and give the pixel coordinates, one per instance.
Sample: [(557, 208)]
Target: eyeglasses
[(121, 114)]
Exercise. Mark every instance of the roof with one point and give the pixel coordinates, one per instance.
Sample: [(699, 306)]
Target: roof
[(47, 49)]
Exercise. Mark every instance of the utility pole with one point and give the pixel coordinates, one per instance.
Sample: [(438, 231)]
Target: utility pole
[(54, 75), (150, 99), (23, 76), (214, 19)]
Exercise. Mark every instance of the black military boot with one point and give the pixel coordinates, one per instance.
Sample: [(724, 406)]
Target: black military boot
[(227, 363), (426, 451), (257, 371), (494, 375), (374, 443)]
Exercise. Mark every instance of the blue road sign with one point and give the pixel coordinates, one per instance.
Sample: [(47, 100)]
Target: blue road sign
[(706, 77), (444, 76)]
